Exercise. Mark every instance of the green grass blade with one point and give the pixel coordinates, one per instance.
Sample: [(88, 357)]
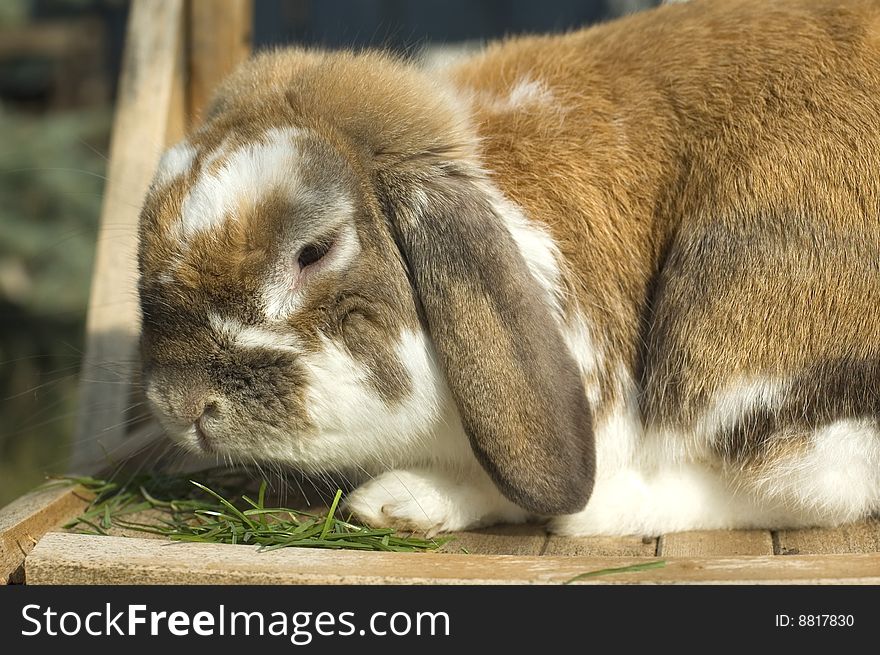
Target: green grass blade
[(645, 566), (232, 508), (329, 521)]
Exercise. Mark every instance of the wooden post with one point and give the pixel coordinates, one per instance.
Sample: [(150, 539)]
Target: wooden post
[(219, 38)]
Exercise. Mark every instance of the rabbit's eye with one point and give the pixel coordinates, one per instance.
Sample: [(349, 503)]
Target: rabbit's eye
[(312, 253)]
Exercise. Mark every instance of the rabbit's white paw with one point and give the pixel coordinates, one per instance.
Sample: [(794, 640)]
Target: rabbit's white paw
[(430, 502)]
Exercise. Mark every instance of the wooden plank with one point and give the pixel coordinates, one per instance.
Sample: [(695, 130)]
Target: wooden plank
[(706, 543), (139, 132), (601, 546), (84, 559), (219, 39), (29, 517), (499, 540), (863, 537)]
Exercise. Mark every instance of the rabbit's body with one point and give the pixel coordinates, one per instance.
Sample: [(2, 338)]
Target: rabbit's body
[(678, 314), (711, 178)]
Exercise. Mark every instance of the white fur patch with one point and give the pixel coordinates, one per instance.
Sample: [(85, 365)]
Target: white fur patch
[(427, 382), (529, 92), (619, 437), (579, 338), (837, 477), (279, 299), (733, 404), (356, 428), (689, 496), (248, 336), (727, 409), (245, 178), (526, 93), (536, 246), (175, 162), (650, 482)]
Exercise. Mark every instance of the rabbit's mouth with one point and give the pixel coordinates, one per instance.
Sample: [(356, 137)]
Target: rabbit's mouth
[(202, 437)]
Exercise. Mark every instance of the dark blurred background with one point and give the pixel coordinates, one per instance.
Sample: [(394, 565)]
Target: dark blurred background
[(59, 62)]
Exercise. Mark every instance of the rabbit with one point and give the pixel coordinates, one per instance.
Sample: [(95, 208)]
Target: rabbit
[(622, 280)]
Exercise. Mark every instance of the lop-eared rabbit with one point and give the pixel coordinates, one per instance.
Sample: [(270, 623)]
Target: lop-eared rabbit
[(623, 279)]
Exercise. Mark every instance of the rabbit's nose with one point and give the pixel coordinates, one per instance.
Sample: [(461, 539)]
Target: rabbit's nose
[(195, 408)]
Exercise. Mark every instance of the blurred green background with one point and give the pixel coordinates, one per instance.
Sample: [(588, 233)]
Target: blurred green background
[(56, 77)]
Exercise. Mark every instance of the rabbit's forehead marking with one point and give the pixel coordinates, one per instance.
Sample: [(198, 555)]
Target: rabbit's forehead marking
[(176, 162), (243, 206), (234, 180)]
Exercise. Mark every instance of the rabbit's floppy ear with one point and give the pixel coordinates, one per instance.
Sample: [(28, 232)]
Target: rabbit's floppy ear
[(517, 388)]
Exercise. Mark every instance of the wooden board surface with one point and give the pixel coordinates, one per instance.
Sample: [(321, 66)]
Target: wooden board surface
[(706, 543), (24, 521), (507, 539), (61, 558), (526, 552), (601, 546), (862, 537)]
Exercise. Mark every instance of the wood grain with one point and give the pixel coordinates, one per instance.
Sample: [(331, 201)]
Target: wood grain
[(499, 540), (863, 537), (705, 543), (139, 133), (601, 546), (178, 103), (84, 559), (219, 37), (29, 517)]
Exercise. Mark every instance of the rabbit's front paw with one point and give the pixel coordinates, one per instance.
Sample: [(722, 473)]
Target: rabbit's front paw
[(431, 502), (406, 500)]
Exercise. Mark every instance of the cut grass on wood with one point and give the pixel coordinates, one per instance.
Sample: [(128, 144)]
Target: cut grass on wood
[(186, 510), (644, 566)]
